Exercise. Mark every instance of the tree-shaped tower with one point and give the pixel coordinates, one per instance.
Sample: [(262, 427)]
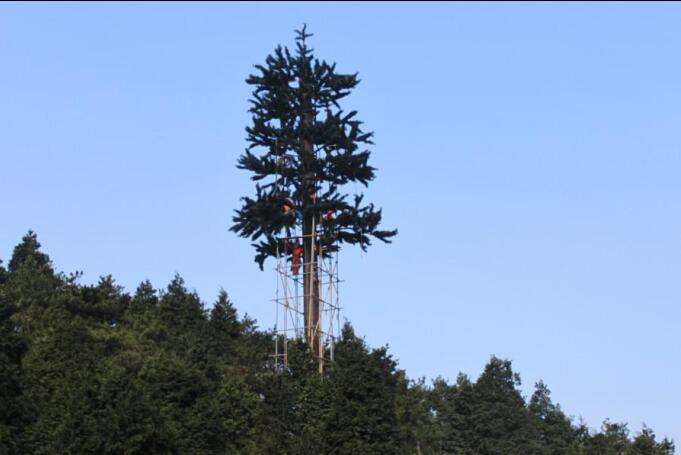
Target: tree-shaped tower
[(303, 150)]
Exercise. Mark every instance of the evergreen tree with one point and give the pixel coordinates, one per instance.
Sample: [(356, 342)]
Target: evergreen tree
[(288, 412), (61, 379), (13, 408), (28, 251), (225, 331), (181, 323), (32, 284), (645, 444), (451, 408), (142, 306), (89, 369), (303, 149), (556, 433), (182, 311), (223, 317), (498, 416), (105, 301), (613, 439), (362, 385), (414, 416), (28, 291)]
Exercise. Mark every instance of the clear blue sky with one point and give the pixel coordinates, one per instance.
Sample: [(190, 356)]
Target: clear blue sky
[(528, 153)]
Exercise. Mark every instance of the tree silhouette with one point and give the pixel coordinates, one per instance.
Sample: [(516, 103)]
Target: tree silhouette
[(303, 149)]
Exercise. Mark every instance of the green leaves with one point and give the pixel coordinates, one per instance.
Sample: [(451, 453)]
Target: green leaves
[(302, 142), (28, 254), (362, 388), (91, 369)]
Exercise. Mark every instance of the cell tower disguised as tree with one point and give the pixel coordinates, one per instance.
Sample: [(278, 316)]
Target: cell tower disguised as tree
[(303, 148)]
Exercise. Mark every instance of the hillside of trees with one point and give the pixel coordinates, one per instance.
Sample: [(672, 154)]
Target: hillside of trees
[(94, 369)]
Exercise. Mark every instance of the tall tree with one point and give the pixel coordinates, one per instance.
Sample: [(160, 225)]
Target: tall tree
[(452, 407), (553, 428), (645, 444), (613, 439), (91, 369), (499, 418), (362, 388), (303, 149), (13, 409)]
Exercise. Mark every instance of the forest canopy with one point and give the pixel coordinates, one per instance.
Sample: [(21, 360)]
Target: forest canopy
[(95, 369)]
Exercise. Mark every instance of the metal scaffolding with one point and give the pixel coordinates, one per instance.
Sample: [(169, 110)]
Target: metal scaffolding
[(319, 265), (291, 298)]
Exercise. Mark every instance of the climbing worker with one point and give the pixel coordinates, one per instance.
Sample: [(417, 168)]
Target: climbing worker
[(297, 252), (328, 216), (287, 208)]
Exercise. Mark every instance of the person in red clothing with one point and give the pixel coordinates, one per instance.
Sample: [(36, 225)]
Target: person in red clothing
[(296, 254)]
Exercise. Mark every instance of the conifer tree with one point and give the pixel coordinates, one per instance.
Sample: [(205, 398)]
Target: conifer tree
[(224, 317), (29, 251), (499, 418), (645, 444), (91, 369), (303, 149), (362, 386), (13, 409), (553, 428), (225, 329)]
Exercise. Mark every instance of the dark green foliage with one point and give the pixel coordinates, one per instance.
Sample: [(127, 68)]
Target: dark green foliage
[(453, 406), (28, 254), (91, 369), (13, 408), (362, 388), (556, 433), (645, 444), (613, 439), (415, 415), (302, 142), (485, 417)]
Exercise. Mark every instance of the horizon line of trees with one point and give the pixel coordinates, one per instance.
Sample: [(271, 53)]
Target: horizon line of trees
[(94, 369)]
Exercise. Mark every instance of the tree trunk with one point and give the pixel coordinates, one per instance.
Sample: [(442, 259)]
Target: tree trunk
[(311, 288), (311, 285)]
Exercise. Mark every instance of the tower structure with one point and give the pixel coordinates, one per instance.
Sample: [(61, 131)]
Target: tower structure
[(303, 151), (307, 304)]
